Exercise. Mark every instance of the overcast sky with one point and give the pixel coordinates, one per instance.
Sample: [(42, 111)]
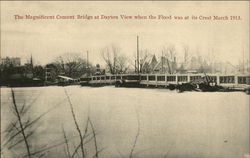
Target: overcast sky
[(47, 39)]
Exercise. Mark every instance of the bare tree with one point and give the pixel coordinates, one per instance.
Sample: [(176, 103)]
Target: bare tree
[(83, 135), (186, 59), (71, 64), (17, 113), (109, 58), (186, 55), (122, 65), (170, 56), (94, 135), (144, 61), (137, 134), (66, 142), (145, 57), (23, 128), (115, 61), (76, 124)]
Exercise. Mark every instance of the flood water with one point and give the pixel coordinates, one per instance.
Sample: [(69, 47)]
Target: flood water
[(171, 124)]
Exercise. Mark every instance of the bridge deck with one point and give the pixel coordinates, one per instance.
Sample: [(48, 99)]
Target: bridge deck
[(227, 80)]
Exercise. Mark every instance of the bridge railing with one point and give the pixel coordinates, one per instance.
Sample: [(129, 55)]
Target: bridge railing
[(166, 79), (158, 79)]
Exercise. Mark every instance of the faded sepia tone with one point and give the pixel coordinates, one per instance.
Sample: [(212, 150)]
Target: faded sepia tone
[(226, 38), (79, 103)]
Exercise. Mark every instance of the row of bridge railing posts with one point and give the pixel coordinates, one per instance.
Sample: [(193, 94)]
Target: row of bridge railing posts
[(177, 82), (156, 81), (236, 79), (217, 79), (175, 79), (165, 80), (147, 80)]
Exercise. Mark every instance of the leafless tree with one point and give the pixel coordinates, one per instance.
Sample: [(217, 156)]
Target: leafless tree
[(145, 57), (170, 56), (122, 65), (115, 61), (20, 122), (76, 124), (94, 135), (22, 128), (66, 142), (137, 134), (144, 61), (186, 54), (84, 136), (71, 64), (110, 57)]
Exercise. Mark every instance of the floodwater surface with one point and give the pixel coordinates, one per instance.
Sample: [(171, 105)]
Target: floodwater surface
[(163, 123)]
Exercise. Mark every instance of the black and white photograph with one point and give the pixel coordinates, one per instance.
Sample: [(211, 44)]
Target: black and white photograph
[(124, 79)]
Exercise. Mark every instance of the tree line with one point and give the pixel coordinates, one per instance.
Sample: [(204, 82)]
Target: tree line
[(74, 65)]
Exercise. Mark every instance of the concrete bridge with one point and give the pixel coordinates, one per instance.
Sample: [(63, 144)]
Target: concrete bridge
[(164, 80)]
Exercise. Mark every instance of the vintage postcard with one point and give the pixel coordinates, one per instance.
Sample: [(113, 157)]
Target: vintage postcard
[(125, 79)]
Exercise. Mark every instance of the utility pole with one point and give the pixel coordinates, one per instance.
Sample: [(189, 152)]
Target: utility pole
[(31, 65), (135, 66), (138, 56), (87, 63), (87, 59), (114, 71), (162, 61), (243, 62)]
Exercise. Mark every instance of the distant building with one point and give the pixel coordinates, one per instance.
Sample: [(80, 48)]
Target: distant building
[(11, 61)]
